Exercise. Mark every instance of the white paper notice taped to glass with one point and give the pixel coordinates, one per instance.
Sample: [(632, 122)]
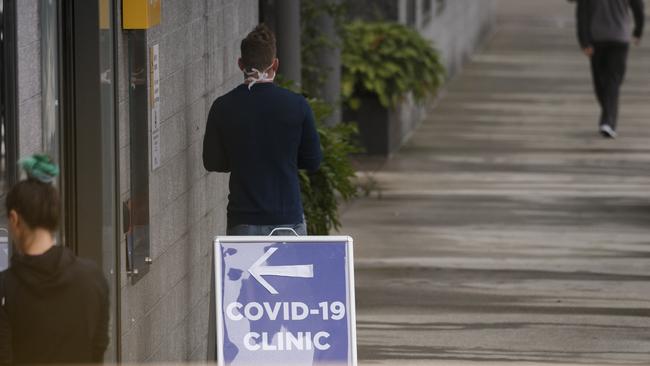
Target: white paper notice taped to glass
[(285, 300), (4, 252), (154, 102)]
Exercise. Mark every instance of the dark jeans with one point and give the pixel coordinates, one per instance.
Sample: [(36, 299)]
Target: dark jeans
[(265, 230), (608, 64)]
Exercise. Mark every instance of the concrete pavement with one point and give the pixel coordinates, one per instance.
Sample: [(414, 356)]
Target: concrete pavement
[(507, 229)]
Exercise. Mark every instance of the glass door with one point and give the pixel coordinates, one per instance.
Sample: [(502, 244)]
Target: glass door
[(109, 157), (8, 120), (89, 130)]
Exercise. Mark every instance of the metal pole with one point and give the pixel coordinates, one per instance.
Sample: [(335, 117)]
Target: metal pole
[(330, 63), (288, 39)]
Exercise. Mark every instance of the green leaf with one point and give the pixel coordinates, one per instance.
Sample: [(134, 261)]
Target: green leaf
[(389, 60), (354, 103)]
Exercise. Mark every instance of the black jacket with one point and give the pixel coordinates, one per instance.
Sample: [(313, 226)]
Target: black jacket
[(54, 308), (608, 21)]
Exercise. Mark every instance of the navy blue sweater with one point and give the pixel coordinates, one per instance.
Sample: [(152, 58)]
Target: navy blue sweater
[(262, 137)]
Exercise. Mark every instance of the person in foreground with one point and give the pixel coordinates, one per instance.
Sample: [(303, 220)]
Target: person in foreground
[(604, 32), (54, 307), (262, 134)]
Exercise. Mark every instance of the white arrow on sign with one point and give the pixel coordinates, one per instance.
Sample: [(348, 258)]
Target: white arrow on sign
[(257, 270)]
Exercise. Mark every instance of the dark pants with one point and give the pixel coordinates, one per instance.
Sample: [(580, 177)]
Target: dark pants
[(608, 65)]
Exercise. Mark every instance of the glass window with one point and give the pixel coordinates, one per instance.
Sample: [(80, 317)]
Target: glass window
[(50, 78), (8, 141), (427, 11), (411, 13), (426, 7), (107, 108), (442, 4), (88, 127)]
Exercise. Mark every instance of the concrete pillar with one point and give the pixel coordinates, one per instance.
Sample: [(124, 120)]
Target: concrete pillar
[(330, 62), (287, 28)]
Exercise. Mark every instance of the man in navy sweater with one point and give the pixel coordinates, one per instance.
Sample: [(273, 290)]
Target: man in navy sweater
[(261, 134), (605, 32)]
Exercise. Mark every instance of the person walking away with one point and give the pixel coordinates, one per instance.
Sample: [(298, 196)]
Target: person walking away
[(54, 307), (604, 32), (262, 134)]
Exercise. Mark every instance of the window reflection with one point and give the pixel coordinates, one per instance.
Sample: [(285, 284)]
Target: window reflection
[(107, 107), (411, 13), (4, 171)]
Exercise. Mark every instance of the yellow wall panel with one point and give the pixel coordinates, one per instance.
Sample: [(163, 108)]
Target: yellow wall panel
[(104, 14)]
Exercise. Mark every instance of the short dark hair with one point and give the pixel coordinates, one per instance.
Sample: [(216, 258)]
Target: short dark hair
[(258, 48), (36, 202)]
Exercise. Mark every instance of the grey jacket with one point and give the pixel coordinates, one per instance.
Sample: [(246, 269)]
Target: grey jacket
[(609, 20)]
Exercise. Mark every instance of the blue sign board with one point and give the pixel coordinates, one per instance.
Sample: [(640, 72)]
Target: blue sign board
[(285, 301)]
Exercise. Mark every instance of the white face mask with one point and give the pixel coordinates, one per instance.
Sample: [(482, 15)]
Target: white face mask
[(262, 76)]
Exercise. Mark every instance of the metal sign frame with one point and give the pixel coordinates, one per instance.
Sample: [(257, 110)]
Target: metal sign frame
[(217, 259)]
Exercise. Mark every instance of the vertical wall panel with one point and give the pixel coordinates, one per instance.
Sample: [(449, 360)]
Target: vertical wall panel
[(29, 77)]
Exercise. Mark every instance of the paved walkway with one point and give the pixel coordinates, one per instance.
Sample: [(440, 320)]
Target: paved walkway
[(508, 229)]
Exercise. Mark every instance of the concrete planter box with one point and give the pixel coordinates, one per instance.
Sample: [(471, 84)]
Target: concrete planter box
[(382, 131)]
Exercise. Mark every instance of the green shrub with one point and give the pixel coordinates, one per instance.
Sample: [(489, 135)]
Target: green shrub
[(334, 180), (388, 60)]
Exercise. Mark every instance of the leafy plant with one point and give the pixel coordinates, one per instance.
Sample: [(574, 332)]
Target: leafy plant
[(388, 60), (335, 179), (323, 190)]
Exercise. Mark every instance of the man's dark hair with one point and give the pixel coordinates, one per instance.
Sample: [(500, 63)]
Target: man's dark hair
[(36, 202), (258, 48)]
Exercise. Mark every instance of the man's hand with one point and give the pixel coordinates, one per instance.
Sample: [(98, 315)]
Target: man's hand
[(589, 51)]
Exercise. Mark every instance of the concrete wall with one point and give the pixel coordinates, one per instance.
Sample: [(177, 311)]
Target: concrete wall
[(456, 27), (165, 314), (29, 77)]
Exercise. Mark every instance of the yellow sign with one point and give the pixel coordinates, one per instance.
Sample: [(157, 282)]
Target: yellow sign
[(104, 14), (140, 14)]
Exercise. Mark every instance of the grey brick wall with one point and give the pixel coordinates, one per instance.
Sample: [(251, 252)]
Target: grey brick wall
[(29, 77), (165, 314)]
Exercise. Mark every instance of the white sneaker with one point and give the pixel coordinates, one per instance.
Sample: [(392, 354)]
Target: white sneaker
[(607, 131)]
